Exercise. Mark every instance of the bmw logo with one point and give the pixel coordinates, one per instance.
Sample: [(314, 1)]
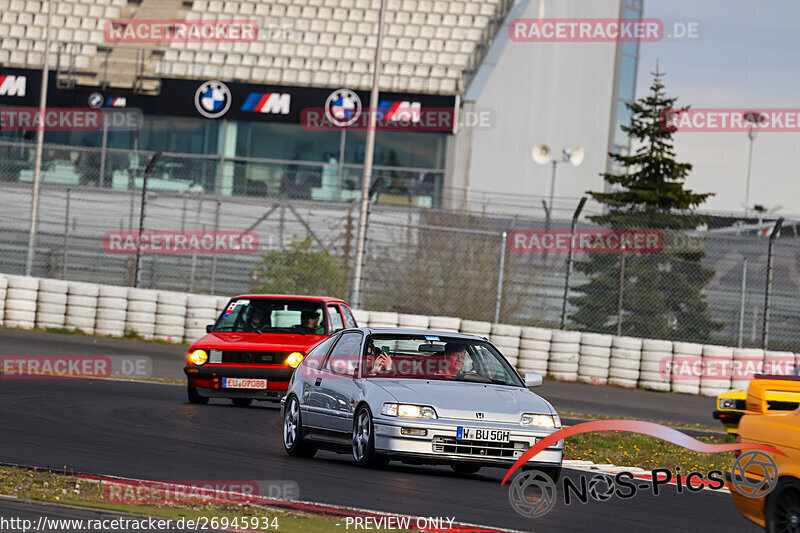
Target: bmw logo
[(343, 107), (212, 99), (96, 100)]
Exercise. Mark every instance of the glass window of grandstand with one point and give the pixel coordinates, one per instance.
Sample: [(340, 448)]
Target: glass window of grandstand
[(236, 158)]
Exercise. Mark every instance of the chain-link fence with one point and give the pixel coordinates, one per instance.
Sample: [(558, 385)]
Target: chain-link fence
[(706, 286)]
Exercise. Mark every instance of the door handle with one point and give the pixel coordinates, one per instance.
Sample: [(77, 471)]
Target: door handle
[(317, 383)]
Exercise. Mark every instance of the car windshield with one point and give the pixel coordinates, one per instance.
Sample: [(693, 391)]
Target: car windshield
[(261, 315), (436, 357)]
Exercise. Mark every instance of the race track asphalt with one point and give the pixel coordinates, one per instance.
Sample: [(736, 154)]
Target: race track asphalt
[(150, 431), (168, 361)]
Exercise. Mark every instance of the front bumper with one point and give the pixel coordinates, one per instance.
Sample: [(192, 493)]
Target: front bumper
[(440, 446), (207, 379)]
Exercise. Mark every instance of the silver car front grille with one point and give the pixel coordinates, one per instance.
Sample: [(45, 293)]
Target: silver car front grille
[(478, 448)]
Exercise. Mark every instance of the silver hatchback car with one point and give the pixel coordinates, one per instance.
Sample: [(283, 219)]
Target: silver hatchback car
[(421, 397)]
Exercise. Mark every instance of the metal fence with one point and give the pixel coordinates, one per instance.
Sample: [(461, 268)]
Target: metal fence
[(457, 262)]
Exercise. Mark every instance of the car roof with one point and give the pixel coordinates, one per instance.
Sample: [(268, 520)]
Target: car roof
[(404, 331), (293, 297)]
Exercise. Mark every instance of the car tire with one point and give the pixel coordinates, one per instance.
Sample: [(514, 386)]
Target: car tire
[(242, 402), (292, 429), (194, 396), (364, 439), (465, 468), (783, 505)]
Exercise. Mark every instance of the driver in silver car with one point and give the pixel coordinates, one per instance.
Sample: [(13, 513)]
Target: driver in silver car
[(452, 363)]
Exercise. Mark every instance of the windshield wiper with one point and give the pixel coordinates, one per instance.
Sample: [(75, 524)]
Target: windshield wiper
[(482, 379)]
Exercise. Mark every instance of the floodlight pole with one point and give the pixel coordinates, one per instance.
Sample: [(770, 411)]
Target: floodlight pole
[(37, 169), (369, 152), (751, 134)]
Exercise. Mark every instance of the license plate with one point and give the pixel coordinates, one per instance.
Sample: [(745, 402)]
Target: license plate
[(492, 435), (243, 383)]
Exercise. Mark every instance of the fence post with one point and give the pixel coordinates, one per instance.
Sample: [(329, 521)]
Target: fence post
[(768, 289), (569, 261), (147, 171), (214, 257), (742, 301), (499, 297), (66, 238), (621, 290)]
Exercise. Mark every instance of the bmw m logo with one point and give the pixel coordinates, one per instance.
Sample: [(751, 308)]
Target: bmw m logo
[(343, 107), (212, 99)]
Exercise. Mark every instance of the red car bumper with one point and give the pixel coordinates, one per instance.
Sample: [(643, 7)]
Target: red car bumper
[(207, 379)]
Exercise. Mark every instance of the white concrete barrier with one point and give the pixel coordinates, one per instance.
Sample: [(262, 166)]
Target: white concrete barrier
[(717, 362), (201, 310), (656, 356), (140, 317), (564, 354), (51, 303), (444, 323), (626, 356), (362, 317), (595, 358), (81, 306), (411, 321), (171, 316), (476, 327), (654, 364), (20, 302), (112, 309), (686, 356), (746, 363), (381, 319)]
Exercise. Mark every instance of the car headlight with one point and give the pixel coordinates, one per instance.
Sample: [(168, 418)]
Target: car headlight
[(294, 359), (404, 410), (727, 403), (541, 421), (197, 357)]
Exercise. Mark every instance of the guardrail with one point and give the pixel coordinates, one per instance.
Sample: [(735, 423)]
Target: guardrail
[(660, 365)]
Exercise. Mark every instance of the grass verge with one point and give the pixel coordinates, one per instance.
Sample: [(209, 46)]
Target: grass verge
[(634, 450), (33, 484)]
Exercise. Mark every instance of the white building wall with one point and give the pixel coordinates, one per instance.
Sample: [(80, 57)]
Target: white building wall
[(560, 94)]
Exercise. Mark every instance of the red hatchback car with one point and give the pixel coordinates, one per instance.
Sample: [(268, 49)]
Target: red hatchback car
[(255, 345)]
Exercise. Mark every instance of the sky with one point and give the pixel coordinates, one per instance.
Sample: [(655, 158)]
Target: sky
[(747, 57)]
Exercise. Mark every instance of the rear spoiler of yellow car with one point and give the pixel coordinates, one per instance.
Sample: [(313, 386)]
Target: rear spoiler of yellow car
[(761, 384)]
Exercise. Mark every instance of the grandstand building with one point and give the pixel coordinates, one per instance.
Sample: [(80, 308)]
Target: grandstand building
[(231, 116)]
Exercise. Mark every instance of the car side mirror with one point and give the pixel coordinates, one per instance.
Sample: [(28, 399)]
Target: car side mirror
[(209, 328), (533, 379)]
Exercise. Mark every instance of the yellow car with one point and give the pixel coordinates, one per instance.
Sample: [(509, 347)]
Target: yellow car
[(731, 405), (779, 510)]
